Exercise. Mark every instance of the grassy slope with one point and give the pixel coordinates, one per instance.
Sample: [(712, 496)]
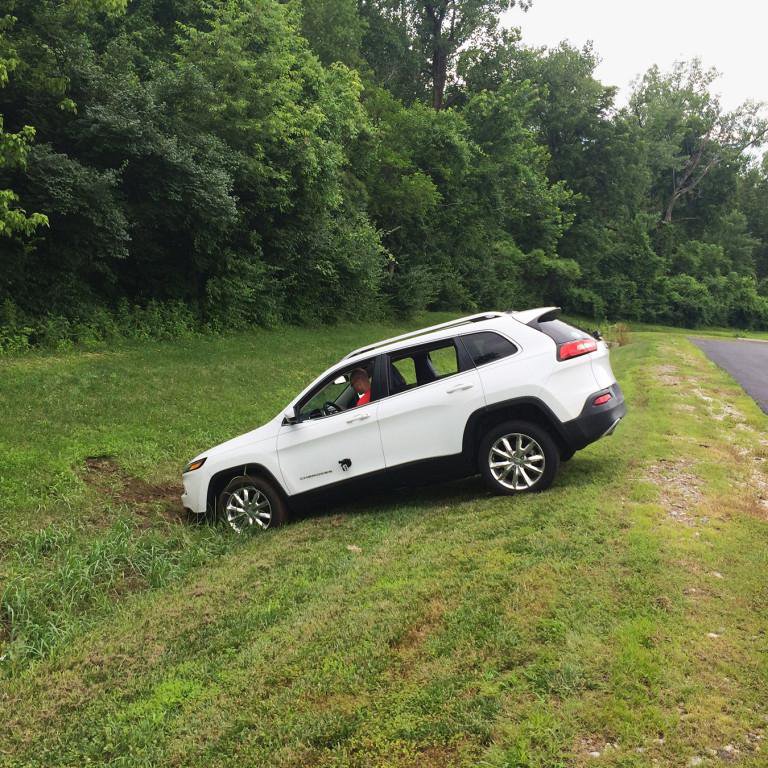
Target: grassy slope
[(460, 629)]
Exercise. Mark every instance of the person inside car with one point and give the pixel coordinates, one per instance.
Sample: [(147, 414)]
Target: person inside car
[(361, 383)]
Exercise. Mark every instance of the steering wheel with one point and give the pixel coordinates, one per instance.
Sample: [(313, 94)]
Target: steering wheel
[(329, 408)]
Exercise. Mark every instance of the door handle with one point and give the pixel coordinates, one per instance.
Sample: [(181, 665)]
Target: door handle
[(460, 388), (361, 417)]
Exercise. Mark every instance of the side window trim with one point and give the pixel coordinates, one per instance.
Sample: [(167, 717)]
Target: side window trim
[(463, 361)]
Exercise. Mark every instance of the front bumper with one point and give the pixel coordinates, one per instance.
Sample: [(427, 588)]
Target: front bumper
[(595, 421), (194, 496)]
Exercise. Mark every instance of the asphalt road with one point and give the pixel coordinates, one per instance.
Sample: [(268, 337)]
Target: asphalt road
[(746, 361)]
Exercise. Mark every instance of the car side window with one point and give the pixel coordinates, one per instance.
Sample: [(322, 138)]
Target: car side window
[(445, 360), (487, 347), (345, 389), (422, 365), (407, 369)]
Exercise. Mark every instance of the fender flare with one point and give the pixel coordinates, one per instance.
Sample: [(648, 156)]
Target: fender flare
[(217, 482), (527, 407)]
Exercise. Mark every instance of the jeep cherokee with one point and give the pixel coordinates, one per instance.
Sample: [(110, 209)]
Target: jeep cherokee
[(508, 395)]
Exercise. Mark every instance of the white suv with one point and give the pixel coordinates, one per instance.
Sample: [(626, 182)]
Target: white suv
[(506, 394)]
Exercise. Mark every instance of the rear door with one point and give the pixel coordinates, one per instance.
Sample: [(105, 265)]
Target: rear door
[(433, 389)]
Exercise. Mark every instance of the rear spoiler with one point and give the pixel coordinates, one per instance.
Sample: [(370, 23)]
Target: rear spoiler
[(532, 316)]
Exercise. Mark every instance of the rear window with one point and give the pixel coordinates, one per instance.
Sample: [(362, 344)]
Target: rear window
[(559, 331), (486, 347)]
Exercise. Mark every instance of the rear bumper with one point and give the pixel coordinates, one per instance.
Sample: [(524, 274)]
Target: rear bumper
[(595, 421)]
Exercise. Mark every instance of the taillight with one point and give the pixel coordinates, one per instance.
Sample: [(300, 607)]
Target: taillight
[(575, 348), (602, 399)]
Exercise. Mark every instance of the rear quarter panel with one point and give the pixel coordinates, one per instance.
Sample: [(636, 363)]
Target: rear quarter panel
[(601, 366), (535, 372)]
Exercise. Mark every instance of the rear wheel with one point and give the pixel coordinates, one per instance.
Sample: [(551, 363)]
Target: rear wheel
[(251, 504), (518, 456)]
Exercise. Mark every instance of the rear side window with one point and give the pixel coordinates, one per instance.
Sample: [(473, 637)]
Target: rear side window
[(444, 360), (407, 369), (422, 365), (486, 347)]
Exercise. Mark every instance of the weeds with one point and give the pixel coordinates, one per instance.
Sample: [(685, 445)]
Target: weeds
[(95, 326), (61, 573), (619, 334)]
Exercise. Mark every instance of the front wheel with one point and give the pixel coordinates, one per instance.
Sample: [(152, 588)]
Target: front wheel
[(518, 456), (251, 504)]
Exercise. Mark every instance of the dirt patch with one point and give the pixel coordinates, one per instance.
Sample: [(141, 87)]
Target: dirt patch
[(718, 408), (669, 375), (437, 756), (755, 485), (679, 488), (146, 499), (408, 648), (418, 632), (593, 746), (727, 411), (758, 484)]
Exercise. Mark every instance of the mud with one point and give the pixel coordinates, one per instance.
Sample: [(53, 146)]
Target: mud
[(147, 500)]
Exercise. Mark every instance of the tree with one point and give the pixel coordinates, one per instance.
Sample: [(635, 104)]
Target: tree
[(753, 202), (13, 151), (249, 161), (688, 131), (438, 29), (334, 29)]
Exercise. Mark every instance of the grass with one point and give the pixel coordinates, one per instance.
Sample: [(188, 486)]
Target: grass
[(615, 620)]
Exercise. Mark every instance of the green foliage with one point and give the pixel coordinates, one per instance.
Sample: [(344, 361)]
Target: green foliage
[(258, 162), (13, 149), (751, 196), (334, 29), (97, 326)]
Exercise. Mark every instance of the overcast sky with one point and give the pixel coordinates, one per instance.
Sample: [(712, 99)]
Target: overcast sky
[(731, 36)]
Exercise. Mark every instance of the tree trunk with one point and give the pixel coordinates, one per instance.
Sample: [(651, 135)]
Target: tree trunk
[(439, 76), (668, 213)]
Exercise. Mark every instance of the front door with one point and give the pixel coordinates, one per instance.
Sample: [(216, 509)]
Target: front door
[(335, 438)]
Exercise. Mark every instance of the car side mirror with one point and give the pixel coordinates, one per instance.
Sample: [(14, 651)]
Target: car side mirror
[(290, 416)]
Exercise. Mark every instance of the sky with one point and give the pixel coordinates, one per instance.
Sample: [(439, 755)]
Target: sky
[(730, 36)]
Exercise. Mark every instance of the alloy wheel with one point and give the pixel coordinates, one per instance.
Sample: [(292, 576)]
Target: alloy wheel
[(516, 461), (248, 507)]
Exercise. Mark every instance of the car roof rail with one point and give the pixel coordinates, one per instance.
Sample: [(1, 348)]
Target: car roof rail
[(450, 324)]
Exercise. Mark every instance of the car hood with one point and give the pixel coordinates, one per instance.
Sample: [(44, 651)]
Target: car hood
[(267, 432)]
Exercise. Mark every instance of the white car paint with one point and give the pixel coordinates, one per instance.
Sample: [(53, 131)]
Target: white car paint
[(428, 421), (425, 422), (310, 452)]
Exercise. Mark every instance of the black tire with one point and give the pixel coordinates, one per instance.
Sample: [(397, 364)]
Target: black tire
[(525, 473), (250, 514)]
